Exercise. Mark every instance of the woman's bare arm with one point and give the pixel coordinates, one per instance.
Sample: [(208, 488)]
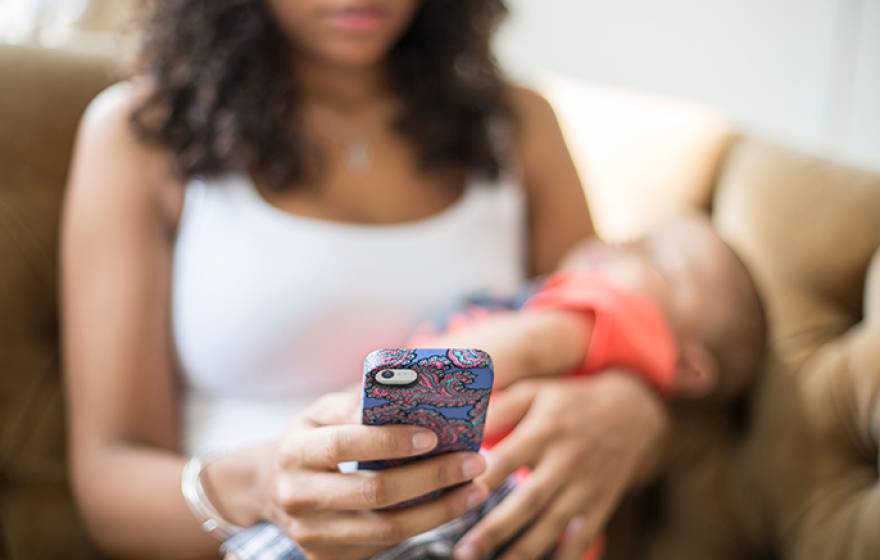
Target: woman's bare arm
[(120, 218), (122, 396), (558, 213)]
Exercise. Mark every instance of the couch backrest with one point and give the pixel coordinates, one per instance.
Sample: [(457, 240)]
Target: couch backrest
[(804, 483), (641, 157), (808, 228), (42, 95)]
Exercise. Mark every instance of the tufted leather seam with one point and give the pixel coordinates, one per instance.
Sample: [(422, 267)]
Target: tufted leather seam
[(843, 397), (42, 467), (846, 490), (871, 333), (29, 251), (861, 480), (791, 345), (871, 499), (872, 326), (24, 242), (30, 410)]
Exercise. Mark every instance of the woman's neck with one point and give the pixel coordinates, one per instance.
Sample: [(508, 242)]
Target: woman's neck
[(345, 89)]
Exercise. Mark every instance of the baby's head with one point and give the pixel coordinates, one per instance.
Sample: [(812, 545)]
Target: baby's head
[(707, 292)]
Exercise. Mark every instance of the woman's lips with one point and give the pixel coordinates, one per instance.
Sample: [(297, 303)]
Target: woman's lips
[(357, 19)]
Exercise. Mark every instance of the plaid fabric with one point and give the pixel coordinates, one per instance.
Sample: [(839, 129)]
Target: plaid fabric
[(262, 542), (267, 542), (470, 308)]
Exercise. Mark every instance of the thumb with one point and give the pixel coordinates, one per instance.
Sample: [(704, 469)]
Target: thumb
[(334, 409)]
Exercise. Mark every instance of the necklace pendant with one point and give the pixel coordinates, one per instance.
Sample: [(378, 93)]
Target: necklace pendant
[(358, 156)]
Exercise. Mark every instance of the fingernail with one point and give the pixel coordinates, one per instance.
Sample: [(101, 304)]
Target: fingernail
[(472, 466), (467, 551), (423, 441), (576, 524)]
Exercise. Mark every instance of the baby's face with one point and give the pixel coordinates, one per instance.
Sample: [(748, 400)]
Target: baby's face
[(684, 267), (626, 264)]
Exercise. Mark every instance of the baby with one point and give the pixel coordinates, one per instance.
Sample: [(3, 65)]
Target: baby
[(677, 308)]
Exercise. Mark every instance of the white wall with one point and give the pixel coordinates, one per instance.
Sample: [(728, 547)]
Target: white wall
[(804, 71), (85, 25)]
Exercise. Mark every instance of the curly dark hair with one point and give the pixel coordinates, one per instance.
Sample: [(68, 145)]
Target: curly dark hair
[(223, 98)]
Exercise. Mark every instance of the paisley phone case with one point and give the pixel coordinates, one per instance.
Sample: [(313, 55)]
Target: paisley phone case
[(443, 389)]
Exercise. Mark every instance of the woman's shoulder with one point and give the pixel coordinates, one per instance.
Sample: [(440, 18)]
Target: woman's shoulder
[(108, 117), (532, 112), (112, 163), (528, 104), (534, 118), (537, 132)]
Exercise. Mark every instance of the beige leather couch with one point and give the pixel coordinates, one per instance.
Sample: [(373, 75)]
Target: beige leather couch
[(790, 473)]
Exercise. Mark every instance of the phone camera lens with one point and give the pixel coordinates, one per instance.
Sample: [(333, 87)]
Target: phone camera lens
[(387, 374)]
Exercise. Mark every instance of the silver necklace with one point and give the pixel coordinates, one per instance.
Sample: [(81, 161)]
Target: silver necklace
[(357, 155)]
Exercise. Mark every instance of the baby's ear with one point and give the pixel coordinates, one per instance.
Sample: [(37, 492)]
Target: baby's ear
[(698, 371)]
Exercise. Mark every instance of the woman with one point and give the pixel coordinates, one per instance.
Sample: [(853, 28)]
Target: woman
[(286, 186)]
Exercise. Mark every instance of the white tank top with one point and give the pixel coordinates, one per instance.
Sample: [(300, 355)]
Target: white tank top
[(271, 310)]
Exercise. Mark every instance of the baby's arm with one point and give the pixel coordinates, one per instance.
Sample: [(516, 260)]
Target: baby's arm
[(525, 343)]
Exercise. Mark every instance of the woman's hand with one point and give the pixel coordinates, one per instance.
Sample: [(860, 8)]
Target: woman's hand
[(333, 515), (586, 441)]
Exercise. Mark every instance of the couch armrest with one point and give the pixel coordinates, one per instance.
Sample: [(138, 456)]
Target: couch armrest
[(840, 515), (42, 96), (808, 230)]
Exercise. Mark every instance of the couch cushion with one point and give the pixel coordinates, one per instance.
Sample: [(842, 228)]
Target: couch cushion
[(42, 95), (641, 157)]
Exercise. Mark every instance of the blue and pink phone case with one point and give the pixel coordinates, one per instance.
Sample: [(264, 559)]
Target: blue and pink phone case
[(449, 396)]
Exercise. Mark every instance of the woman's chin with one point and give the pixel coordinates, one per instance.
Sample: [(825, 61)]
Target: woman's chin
[(355, 56)]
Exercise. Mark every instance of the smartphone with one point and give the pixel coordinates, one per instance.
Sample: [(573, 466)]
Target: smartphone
[(445, 390)]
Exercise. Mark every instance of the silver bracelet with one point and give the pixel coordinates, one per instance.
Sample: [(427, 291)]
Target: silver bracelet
[(198, 502)]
